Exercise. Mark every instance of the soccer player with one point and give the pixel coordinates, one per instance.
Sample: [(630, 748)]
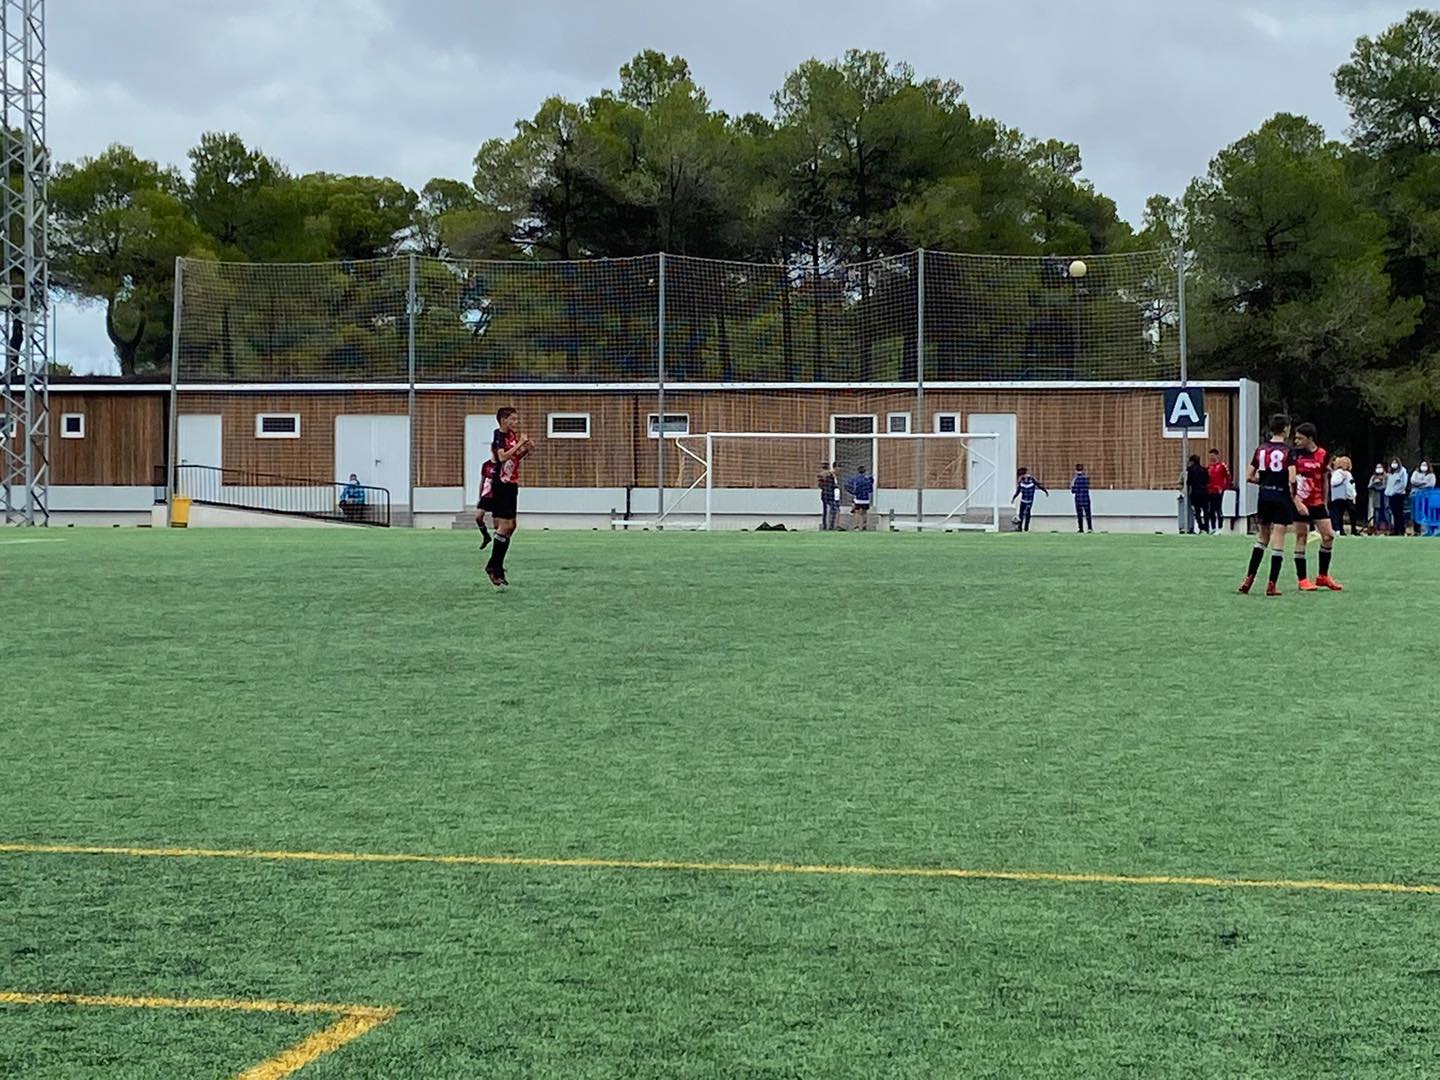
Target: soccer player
[(1312, 485), (487, 485), (1272, 467), (1080, 488), (1025, 486), (862, 490), (508, 447), (1220, 481)]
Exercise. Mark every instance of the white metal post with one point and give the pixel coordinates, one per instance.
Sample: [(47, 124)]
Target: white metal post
[(919, 421), (709, 480), (1185, 508), (660, 404), (172, 452), (412, 301)]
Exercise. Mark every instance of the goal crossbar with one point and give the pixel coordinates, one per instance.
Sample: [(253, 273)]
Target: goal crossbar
[(976, 440)]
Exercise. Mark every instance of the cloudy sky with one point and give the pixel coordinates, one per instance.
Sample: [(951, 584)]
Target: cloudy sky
[(410, 88)]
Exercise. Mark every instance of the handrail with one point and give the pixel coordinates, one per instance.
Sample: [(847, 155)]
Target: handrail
[(272, 493)]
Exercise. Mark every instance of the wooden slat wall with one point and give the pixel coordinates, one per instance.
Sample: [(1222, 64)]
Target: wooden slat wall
[(1115, 433), (124, 439), (606, 459)]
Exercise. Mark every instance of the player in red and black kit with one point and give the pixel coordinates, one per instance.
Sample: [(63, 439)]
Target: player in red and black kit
[(507, 448), (1272, 467), (1312, 488)]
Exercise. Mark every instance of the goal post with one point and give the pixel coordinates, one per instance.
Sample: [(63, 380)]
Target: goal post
[(740, 479)]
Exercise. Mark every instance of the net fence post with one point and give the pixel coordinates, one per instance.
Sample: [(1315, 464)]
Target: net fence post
[(660, 395), (412, 300), (172, 449), (1185, 508), (709, 480), (920, 387)]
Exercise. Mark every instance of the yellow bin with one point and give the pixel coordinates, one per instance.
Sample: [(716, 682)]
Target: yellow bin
[(180, 512)]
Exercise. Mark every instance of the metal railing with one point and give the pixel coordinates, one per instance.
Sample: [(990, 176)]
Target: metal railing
[(241, 489)]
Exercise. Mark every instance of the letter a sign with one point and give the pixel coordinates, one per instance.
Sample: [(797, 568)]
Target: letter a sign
[(1184, 410)]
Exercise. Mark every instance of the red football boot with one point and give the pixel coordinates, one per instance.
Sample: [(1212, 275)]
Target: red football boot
[(1273, 590), (1325, 581)]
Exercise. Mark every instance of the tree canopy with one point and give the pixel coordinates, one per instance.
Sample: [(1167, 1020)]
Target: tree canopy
[(1315, 264)]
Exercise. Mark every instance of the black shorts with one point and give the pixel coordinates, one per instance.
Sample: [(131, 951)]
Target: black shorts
[(1314, 514), (503, 499), (1275, 512)]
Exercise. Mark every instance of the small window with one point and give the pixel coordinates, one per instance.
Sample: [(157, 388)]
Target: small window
[(277, 425), (947, 423), (72, 425), (898, 423), (569, 425), (675, 424)]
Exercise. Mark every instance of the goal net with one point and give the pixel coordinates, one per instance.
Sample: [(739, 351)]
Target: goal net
[(728, 480), (391, 370)]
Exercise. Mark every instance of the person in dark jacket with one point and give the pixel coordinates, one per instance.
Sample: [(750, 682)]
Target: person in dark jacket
[(1080, 488), (1197, 483)]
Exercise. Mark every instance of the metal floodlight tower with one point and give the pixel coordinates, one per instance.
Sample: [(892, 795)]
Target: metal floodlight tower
[(24, 273)]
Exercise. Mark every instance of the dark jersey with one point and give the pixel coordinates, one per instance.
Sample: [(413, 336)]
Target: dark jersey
[(1272, 461), (1310, 469), (509, 470)]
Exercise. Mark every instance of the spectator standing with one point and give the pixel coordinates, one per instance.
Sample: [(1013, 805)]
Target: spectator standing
[(1397, 484), (1025, 487), (1080, 488), (1197, 483), (1379, 505), (862, 490), (1221, 480), (829, 485), (1342, 495), (1422, 479)]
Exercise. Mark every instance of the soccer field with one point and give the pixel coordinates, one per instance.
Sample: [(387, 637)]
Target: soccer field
[(696, 786)]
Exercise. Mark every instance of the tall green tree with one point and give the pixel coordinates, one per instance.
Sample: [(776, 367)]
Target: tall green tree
[(118, 223), (1391, 84), (1289, 286)]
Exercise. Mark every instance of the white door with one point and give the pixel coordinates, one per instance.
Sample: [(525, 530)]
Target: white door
[(479, 430), (377, 450), (986, 479), (200, 442)]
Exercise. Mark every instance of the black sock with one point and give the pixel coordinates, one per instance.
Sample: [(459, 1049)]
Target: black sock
[(1325, 554), (497, 557), (1256, 554), (1277, 563), (1300, 574)]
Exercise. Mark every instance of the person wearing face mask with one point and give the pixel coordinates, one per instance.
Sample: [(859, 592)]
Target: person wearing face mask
[(1379, 506), (1422, 479), (1397, 484), (1342, 496)]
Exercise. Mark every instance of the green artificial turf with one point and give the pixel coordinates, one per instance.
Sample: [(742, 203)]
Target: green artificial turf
[(1053, 703)]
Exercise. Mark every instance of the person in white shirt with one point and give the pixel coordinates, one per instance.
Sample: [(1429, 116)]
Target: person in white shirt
[(1397, 484), (1342, 496)]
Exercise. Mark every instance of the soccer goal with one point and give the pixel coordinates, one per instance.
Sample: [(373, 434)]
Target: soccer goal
[(947, 481)]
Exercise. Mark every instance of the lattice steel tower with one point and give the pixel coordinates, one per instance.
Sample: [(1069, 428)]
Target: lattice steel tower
[(25, 284)]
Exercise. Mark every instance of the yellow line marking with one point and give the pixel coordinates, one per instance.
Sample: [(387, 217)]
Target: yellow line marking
[(326, 1041), (354, 1021), (961, 873)]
